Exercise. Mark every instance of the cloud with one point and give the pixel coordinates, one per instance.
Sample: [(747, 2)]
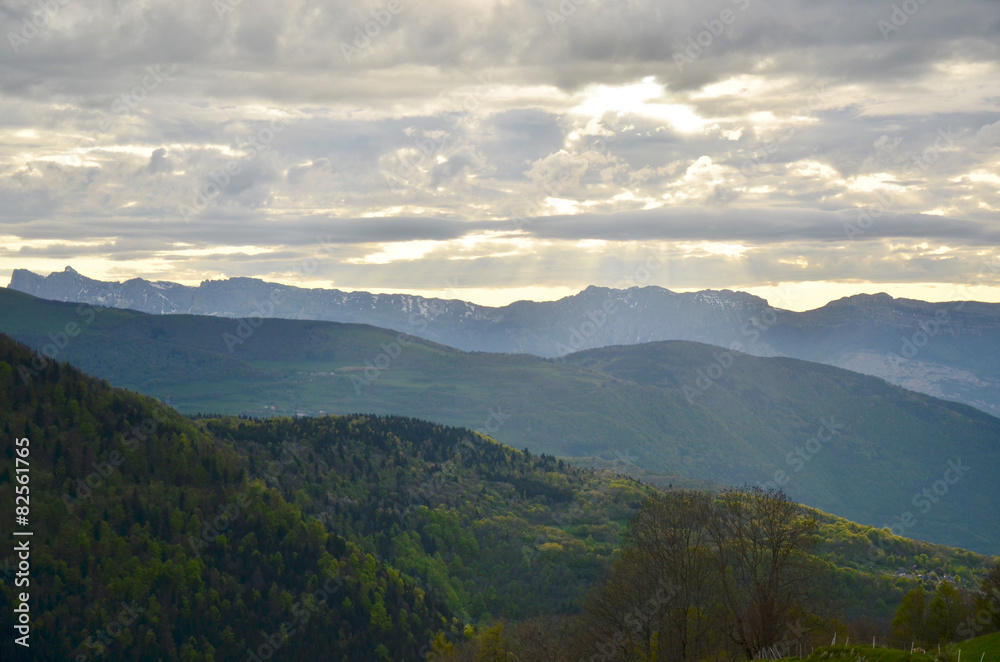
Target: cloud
[(158, 161), (769, 125)]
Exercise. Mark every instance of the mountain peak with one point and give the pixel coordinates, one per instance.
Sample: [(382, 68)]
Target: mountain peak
[(880, 299)]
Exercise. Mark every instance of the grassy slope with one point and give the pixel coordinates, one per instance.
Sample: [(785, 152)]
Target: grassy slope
[(986, 647), (624, 405), (981, 649)]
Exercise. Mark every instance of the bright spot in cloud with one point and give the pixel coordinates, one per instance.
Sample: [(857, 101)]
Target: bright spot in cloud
[(636, 99), (404, 251), (592, 245), (713, 249), (763, 118), (219, 250), (875, 182), (743, 86), (12, 243), (982, 176), (816, 171), (488, 244), (562, 205)]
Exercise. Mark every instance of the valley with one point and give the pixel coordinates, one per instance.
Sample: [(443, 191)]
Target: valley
[(666, 412)]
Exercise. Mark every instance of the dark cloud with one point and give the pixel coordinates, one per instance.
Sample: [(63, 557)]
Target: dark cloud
[(158, 161)]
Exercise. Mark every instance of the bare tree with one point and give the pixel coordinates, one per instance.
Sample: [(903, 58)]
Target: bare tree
[(669, 538), (761, 539), (622, 614), (702, 574), (546, 638)]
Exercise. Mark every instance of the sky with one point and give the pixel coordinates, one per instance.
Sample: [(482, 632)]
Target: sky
[(802, 150)]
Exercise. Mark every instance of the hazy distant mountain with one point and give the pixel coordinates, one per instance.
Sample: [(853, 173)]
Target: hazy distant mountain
[(947, 350), (596, 317), (833, 439)]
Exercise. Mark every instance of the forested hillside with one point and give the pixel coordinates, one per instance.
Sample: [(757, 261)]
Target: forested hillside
[(355, 537), (380, 544), (153, 541)]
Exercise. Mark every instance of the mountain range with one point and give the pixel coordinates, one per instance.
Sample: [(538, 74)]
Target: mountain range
[(948, 350), (669, 411)]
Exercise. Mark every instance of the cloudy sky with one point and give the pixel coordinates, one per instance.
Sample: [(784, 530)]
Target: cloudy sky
[(501, 149)]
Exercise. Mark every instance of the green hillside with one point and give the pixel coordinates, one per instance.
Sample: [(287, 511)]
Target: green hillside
[(985, 648), (367, 535), (664, 412), (981, 649), (126, 562), (161, 538)]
